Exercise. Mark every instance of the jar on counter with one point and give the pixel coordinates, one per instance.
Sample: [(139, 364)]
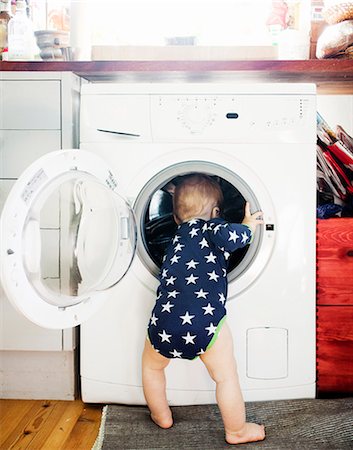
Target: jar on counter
[(20, 35), (294, 39)]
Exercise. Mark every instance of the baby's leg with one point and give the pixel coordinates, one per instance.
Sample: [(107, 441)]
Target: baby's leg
[(154, 386), (221, 365)]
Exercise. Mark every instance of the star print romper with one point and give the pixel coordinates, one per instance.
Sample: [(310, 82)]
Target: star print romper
[(191, 297)]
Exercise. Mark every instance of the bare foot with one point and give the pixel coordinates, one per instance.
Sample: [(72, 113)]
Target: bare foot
[(251, 432), (165, 421)]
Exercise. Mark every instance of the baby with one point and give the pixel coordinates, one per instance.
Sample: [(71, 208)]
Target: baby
[(189, 316)]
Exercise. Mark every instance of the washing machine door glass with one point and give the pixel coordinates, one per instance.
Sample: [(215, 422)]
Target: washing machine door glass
[(68, 237)]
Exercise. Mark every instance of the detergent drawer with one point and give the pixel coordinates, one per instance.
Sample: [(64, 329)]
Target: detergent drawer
[(114, 118)]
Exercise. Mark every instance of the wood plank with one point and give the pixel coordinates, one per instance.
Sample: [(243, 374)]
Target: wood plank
[(64, 426), (8, 407), (332, 76), (335, 262), (19, 427), (57, 412), (335, 349), (12, 413), (329, 69), (38, 424), (86, 430)]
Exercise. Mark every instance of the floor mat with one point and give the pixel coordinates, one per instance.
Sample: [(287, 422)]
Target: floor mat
[(322, 424)]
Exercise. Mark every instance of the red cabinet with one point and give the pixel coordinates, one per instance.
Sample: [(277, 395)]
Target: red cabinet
[(335, 306)]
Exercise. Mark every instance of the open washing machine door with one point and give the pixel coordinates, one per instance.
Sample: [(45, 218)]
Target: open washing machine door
[(90, 240)]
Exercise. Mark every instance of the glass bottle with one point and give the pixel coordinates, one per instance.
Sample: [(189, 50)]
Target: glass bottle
[(20, 35), (5, 16)]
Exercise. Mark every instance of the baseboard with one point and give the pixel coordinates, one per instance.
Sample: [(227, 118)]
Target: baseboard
[(37, 375)]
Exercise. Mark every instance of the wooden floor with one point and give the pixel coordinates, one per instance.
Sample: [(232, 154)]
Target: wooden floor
[(48, 425)]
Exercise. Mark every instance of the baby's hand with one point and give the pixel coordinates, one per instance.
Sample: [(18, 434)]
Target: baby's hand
[(252, 220)]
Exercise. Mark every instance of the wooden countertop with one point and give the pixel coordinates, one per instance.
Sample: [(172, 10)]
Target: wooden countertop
[(331, 75)]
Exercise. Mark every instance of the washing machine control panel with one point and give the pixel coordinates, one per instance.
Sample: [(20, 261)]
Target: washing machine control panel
[(231, 118), (196, 114)]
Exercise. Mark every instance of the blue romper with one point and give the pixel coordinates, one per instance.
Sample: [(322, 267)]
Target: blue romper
[(191, 297)]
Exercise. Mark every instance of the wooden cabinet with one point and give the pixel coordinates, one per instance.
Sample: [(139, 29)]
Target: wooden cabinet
[(335, 306)]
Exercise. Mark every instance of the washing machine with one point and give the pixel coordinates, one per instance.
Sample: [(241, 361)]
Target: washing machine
[(137, 141)]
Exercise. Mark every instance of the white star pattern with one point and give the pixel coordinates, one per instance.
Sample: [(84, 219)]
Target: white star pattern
[(205, 227), (201, 294), (208, 309), (164, 273), (170, 280), (213, 276), (216, 228), (167, 307), (175, 259), (211, 258), (178, 247), (203, 243), (187, 318), (173, 294), (191, 279), (159, 295), (154, 320), (201, 352), (222, 298), (191, 264), (176, 239), (193, 232), (224, 272), (193, 222), (211, 329), (164, 336), (189, 339), (245, 237), (233, 236), (226, 255), (176, 354)]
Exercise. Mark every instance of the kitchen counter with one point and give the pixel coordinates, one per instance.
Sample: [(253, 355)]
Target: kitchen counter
[(332, 76)]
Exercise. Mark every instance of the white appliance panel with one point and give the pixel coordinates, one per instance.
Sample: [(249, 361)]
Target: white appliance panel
[(106, 118), (271, 149), (232, 118)]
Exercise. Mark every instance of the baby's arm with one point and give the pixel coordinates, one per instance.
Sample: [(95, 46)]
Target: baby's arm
[(252, 220), (232, 236)]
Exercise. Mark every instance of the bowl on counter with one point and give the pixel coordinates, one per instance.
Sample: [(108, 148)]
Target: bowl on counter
[(53, 44)]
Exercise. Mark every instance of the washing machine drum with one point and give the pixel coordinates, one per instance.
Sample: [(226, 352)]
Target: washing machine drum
[(159, 225)]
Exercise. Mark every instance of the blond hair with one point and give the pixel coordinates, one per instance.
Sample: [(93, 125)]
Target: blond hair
[(196, 196)]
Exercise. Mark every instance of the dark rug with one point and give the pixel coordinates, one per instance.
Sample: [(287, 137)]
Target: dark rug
[(322, 424)]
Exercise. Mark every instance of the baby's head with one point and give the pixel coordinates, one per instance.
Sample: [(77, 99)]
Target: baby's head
[(197, 196)]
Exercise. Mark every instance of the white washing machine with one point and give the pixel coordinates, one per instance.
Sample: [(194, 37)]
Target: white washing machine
[(259, 142)]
